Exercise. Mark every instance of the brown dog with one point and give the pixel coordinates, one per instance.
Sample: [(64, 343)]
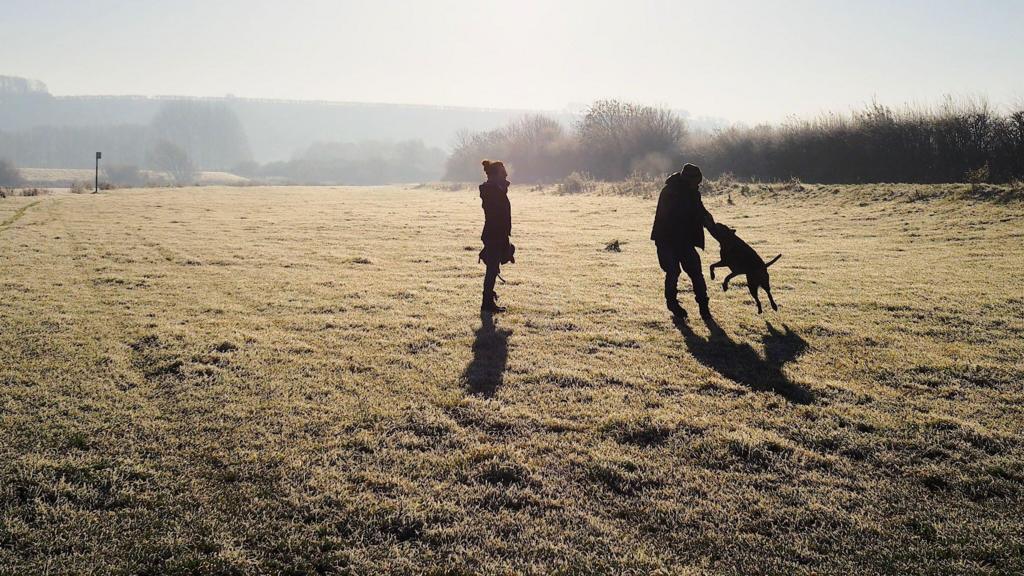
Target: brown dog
[(740, 258)]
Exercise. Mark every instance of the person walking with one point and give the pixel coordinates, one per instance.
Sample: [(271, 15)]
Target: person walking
[(678, 231), (497, 229)]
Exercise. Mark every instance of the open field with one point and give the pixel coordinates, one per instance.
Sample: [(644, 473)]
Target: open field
[(298, 380)]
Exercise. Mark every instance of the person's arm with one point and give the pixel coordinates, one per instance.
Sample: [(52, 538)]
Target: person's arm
[(508, 218), (708, 219)]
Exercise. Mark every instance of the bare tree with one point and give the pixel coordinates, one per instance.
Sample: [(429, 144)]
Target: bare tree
[(210, 131), (535, 147), (618, 138), (9, 175), (172, 159)]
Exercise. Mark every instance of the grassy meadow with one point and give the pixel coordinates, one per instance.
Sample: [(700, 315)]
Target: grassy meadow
[(299, 380)]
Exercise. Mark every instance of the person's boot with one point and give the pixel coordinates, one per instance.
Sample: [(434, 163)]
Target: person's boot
[(489, 305), (705, 312), (676, 310)]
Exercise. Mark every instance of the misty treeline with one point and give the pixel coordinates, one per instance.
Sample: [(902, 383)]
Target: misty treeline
[(356, 163), (611, 141), (186, 136), (183, 136), (952, 142)]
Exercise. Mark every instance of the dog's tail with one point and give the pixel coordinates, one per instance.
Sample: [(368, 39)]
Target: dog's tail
[(772, 261)]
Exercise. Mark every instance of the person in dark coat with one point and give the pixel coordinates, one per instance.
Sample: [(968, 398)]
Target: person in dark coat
[(497, 228), (678, 231)]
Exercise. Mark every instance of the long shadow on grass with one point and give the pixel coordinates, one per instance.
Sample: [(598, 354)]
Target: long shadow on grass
[(490, 355), (740, 363)]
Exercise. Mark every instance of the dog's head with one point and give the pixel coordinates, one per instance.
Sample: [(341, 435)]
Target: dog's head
[(722, 232)]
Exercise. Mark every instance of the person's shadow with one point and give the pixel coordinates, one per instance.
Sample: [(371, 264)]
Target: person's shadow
[(740, 363), (484, 373)]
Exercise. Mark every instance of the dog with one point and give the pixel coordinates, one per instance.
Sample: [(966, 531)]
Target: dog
[(740, 258)]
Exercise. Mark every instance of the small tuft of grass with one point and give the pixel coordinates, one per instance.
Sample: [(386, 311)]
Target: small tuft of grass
[(226, 346)]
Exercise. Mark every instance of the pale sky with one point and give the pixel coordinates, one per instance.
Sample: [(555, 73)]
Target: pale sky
[(748, 61)]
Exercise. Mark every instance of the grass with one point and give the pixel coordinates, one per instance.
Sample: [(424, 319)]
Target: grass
[(298, 380), (18, 212)]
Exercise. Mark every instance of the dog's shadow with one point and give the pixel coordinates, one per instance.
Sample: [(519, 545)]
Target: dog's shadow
[(740, 363), (485, 373)]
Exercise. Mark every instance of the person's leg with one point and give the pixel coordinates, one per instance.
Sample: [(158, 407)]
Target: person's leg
[(490, 277), (690, 260), (670, 265)]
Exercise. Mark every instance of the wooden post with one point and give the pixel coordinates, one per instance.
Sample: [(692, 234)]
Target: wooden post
[(97, 188)]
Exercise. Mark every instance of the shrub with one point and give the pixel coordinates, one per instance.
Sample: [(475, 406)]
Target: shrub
[(249, 169), (724, 183), (637, 184), (793, 185), (125, 175), (979, 175), (81, 187), (576, 183)]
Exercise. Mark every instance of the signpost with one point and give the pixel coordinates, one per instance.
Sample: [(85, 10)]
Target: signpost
[(98, 156)]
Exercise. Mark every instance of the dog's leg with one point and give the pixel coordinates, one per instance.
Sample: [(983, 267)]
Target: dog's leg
[(770, 299), (767, 285), (713, 266), (753, 292), (725, 283)]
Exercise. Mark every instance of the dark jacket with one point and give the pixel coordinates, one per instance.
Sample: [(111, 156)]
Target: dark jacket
[(681, 216), (497, 213)]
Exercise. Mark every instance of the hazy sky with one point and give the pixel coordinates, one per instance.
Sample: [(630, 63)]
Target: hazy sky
[(745, 60)]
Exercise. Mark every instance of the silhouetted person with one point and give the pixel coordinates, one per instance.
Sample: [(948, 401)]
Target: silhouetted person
[(678, 231), (497, 229)]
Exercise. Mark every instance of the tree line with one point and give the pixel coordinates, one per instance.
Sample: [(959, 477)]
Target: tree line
[(187, 136), (952, 142), (183, 137), (611, 140), (354, 163)]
